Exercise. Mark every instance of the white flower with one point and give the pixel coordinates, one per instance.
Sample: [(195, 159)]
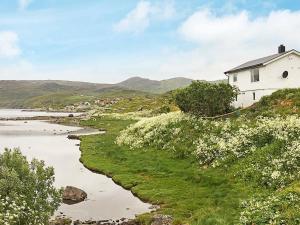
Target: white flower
[(275, 174)]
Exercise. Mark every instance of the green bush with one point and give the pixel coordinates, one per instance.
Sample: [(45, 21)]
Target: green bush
[(206, 99), (27, 194)]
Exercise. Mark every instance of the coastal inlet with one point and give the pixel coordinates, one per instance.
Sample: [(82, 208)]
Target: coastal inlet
[(49, 142)]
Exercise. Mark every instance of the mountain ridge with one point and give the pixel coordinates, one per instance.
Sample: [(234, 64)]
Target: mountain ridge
[(26, 93)]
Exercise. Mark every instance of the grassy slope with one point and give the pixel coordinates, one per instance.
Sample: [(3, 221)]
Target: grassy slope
[(154, 86), (192, 195), (144, 102), (282, 102), (57, 94)]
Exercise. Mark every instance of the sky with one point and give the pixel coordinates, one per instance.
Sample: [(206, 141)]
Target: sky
[(107, 41)]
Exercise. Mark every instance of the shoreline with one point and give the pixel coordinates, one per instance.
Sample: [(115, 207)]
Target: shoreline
[(87, 131)]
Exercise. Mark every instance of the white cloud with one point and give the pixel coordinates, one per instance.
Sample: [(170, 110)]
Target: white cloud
[(224, 41), (143, 14), (23, 4), (9, 44)]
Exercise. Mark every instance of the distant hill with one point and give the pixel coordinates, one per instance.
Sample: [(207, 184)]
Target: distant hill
[(49, 93), (154, 86), (57, 93)]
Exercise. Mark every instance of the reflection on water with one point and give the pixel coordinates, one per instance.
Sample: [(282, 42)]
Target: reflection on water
[(48, 142)]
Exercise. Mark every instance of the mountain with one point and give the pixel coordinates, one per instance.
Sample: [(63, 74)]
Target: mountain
[(37, 93), (57, 93), (154, 86)]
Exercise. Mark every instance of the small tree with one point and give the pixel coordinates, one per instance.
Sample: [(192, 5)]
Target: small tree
[(27, 194), (206, 99)]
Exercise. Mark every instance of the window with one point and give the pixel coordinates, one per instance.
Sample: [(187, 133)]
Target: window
[(285, 74), (254, 97), (236, 98), (255, 75), (234, 77)]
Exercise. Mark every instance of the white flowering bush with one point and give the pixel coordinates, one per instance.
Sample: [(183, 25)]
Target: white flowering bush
[(27, 194), (238, 141), (272, 210), (272, 143), (154, 131)]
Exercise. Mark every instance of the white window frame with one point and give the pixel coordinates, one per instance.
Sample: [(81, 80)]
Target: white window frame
[(255, 75)]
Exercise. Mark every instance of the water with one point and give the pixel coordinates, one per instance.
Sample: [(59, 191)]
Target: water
[(15, 113), (48, 142)]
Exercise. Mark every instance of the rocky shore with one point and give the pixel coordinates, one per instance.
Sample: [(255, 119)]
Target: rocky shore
[(157, 219)]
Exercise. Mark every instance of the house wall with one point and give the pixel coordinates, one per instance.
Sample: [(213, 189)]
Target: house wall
[(270, 80)]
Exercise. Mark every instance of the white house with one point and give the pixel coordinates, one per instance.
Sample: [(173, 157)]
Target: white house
[(263, 76)]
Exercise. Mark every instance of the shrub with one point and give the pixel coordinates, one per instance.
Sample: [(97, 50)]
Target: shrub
[(206, 99), (269, 145), (271, 210), (27, 194)]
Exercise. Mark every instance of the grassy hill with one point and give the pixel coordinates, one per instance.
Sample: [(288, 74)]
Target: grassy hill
[(154, 86), (58, 94), (239, 170), (158, 87), (55, 94), (282, 102), (27, 94)]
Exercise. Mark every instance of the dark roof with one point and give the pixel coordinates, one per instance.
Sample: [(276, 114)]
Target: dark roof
[(256, 62)]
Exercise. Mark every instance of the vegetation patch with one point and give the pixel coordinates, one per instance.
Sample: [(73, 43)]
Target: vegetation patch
[(184, 190), (282, 102), (27, 192)]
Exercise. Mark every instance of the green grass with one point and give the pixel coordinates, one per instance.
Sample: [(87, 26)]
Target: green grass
[(282, 102), (191, 194), (144, 102)]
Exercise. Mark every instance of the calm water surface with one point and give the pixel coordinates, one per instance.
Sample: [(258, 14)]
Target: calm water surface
[(15, 113), (48, 142)]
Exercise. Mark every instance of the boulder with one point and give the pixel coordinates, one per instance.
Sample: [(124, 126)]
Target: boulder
[(73, 195), (73, 137), (61, 221), (162, 220)]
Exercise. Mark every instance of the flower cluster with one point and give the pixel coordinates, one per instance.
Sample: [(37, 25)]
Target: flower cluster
[(275, 141), (269, 210), (220, 142), (27, 193), (9, 212), (151, 131)]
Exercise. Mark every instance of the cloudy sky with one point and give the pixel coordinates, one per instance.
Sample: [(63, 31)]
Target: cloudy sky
[(111, 40)]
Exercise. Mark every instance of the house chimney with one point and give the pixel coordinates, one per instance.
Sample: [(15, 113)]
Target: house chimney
[(281, 49)]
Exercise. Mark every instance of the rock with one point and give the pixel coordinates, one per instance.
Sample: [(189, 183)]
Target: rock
[(71, 115), (61, 221), (107, 222), (154, 207), (162, 220), (73, 137), (73, 195)]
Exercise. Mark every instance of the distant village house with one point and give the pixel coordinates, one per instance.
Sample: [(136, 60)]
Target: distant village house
[(263, 76)]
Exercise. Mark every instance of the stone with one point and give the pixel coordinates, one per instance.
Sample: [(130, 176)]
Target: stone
[(162, 220), (73, 195), (73, 137), (61, 221)]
